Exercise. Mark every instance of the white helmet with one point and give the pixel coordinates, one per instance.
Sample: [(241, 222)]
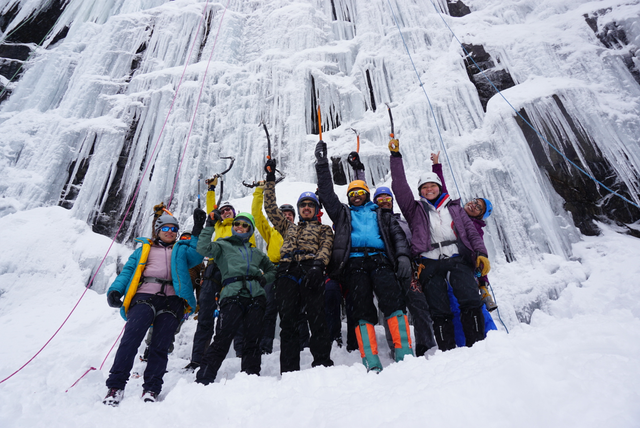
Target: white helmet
[(429, 177)]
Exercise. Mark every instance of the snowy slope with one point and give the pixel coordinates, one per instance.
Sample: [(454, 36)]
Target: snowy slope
[(576, 364), (107, 109)]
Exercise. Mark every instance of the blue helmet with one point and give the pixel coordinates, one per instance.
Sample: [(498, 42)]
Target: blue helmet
[(382, 191), (309, 195), (489, 208)]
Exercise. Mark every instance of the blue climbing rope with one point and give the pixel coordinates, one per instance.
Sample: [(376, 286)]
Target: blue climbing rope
[(428, 100)]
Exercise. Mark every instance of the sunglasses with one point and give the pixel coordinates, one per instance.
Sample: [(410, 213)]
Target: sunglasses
[(358, 192), (307, 204), (241, 224), (185, 238), (476, 204), (384, 199), (225, 209), (169, 229)]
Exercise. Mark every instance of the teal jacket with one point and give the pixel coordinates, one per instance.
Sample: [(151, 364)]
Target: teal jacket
[(183, 257), (237, 258)]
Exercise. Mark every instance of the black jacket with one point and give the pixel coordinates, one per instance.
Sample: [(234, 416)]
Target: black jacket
[(394, 239)]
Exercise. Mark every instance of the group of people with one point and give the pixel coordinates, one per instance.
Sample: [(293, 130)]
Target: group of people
[(371, 254)]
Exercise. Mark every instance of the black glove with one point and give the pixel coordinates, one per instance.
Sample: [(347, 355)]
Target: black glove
[(270, 169), (262, 280), (404, 268), (354, 161), (213, 217), (113, 299), (321, 152), (199, 217), (315, 274)]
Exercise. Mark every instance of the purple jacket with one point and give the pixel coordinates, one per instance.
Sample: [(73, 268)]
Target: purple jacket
[(418, 218), (478, 223)]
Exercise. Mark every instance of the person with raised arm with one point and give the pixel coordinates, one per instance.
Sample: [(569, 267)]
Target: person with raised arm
[(370, 249), (304, 255), (444, 243)]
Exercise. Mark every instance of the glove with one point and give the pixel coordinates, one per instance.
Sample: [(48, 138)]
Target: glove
[(113, 299), (315, 275), (404, 268), (213, 217), (212, 183), (321, 152), (158, 210), (394, 147), (354, 161), (199, 217), (482, 263), (270, 169), (262, 280)]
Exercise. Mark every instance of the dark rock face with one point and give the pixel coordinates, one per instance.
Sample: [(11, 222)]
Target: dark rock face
[(584, 199), (35, 28), (484, 74), (17, 47), (458, 9), (612, 36)]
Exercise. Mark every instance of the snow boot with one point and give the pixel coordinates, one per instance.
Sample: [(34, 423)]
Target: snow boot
[(192, 366), (149, 396), (399, 328), (114, 397), (444, 332), (368, 344), (473, 325)]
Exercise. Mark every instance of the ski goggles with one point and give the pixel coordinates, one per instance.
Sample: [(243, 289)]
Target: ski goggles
[(383, 199), (185, 238), (243, 224), (358, 192), (169, 229)]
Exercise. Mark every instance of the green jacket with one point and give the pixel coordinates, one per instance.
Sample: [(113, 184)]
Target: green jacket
[(237, 258)]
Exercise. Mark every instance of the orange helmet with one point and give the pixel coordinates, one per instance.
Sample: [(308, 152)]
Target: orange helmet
[(358, 184)]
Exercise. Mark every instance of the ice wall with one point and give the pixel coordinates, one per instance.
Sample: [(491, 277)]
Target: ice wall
[(82, 123)]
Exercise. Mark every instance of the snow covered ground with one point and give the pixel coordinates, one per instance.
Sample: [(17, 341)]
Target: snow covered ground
[(576, 364)]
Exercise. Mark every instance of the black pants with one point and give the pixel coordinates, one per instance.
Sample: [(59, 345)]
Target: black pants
[(292, 294), (333, 308), (434, 284), (204, 331), (365, 276), (270, 317), (165, 314), (235, 313)]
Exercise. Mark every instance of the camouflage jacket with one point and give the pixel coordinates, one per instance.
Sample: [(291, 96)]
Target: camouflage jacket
[(307, 240)]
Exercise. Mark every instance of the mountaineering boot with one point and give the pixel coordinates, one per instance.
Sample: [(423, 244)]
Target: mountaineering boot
[(472, 325), (487, 299), (149, 396), (192, 366), (114, 397), (399, 327), (444, 332), (368, 344)]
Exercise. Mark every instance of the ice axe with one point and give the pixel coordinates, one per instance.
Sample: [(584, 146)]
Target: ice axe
[(223, 173), (390, 118), (358, 135)]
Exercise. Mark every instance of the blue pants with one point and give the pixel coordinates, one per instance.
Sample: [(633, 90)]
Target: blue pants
[(165, 314)]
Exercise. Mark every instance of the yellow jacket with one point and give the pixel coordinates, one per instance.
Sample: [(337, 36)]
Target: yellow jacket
[(270, 235), (222, 228)]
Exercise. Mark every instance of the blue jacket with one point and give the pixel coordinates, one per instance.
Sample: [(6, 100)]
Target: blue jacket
[(365, 231), (183, 257)]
